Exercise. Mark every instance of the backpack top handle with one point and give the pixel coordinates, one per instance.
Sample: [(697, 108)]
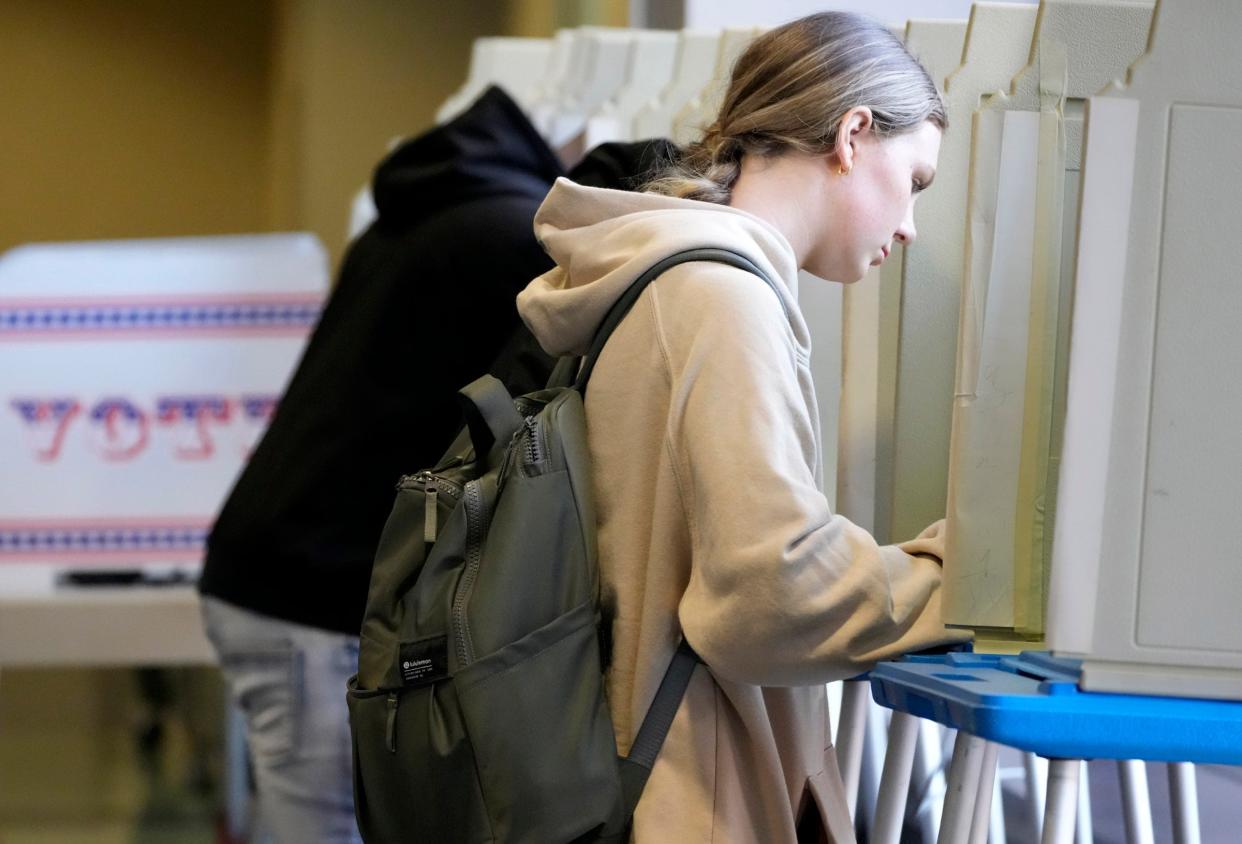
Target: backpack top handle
[(491, 417)]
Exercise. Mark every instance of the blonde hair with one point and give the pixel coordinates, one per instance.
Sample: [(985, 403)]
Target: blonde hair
[(789, 91)]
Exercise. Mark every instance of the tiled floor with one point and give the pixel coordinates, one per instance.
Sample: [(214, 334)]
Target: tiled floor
[(80, 765)]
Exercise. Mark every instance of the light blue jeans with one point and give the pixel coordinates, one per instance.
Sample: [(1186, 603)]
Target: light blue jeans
[(288, 680)]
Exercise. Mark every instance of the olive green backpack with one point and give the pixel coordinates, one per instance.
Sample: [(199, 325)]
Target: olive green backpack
[(478, 711)]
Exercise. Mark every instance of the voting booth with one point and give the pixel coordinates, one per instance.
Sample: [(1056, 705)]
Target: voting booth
[(1017, 296), (1144, 575), (138, 377)]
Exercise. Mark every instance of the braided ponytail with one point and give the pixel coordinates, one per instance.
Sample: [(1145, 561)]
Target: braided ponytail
[(707, 169), (789, 91)]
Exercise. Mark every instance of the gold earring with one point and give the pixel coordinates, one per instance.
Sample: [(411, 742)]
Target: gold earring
[(843, 171)]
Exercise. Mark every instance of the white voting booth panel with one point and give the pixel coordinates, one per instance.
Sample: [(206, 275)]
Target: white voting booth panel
[(998, 42), (1014, 329), (1145, 583), (566, 65), (517, 64), (649, 68), (138, 376), (927, 332), (693, 68), (595, 72)]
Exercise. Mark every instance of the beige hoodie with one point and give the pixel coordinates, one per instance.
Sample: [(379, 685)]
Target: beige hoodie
[(705, 444)]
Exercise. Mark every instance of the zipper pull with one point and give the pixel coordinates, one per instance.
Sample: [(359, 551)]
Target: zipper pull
[(390, 733), (429, 516)]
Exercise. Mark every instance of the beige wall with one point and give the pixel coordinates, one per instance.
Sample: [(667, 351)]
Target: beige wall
[(132, 118), (349, 78), (540, 18), (138, 118)]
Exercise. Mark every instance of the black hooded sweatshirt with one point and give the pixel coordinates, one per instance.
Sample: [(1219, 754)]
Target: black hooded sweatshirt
[(424, 302)]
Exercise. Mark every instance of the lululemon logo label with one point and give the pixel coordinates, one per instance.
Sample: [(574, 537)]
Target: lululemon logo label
[(423, 662)]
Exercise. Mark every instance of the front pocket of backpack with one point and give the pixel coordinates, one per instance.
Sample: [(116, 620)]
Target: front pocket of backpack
[(541, 734), (414, 772)]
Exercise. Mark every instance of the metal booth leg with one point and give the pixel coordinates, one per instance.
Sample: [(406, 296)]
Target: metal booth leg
[(928, 774), (890, 807), (1136, 801), (963, 791), (1184, 801), (855, 699), (1062, 809), (1036, 768), (1084, 834), (875, 740), (982, 817), (998, 833)]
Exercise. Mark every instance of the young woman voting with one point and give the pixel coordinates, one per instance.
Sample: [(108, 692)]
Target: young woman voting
[(704, 434)]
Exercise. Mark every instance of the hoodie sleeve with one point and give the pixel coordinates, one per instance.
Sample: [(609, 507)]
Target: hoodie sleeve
[(782, 591)]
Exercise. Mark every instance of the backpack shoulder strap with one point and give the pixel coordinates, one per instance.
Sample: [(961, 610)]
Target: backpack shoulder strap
[(636, 767), (622, 306)]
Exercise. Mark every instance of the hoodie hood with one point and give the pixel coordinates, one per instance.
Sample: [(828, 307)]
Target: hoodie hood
[(490, 149), (603, 240)]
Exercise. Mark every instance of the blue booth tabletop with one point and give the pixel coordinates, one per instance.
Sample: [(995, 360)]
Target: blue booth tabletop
[(1032, 702)]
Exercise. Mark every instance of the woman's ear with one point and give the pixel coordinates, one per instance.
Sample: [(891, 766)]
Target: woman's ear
[(855, 124)]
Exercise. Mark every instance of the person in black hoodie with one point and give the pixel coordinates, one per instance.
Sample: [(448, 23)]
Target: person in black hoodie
[(424, 304)]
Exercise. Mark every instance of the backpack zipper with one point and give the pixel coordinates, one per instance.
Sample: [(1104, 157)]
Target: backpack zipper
[(534, 444), (476, 521), (433, 487), (426, 479)]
